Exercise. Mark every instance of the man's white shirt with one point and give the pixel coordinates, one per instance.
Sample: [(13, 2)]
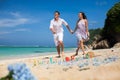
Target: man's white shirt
[(57, 25)]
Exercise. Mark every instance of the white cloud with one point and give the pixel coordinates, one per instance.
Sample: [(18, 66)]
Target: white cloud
[(21, 29), (4, 32), (13, 31), (101, 3), (12, 22), (93, 22), (18, 15), (15, 19), (15, 14)]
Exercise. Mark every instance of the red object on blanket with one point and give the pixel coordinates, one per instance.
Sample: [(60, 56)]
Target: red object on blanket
[(67, 59)]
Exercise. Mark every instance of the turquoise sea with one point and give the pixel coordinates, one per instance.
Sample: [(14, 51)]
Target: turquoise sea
[(15, 52)]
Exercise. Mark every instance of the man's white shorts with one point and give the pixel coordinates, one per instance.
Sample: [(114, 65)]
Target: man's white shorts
[(58, 37)]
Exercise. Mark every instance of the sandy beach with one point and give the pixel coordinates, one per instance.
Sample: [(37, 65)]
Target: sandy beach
[(105, 65)]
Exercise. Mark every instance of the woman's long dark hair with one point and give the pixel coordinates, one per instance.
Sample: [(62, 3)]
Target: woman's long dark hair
[(84, 16)]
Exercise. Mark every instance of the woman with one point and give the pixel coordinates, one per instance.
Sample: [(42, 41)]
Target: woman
[(81, 31)]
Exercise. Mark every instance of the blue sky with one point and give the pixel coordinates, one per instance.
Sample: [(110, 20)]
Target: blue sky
[(26, 22)]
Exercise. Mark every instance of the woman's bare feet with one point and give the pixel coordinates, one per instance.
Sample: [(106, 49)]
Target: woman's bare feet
[(83, 53), (74, 55)]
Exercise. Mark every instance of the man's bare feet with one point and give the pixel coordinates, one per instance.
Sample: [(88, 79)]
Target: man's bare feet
[(63, 54), (58, 56)]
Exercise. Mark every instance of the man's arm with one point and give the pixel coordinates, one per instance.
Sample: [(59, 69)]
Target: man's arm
[(66, 24), (51, 28), (69, 28)]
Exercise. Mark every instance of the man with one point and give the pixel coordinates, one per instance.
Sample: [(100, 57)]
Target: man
[(57, 30)]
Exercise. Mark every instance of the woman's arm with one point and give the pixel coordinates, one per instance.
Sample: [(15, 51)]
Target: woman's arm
[(75, 29), (76, 26), (86, 26)]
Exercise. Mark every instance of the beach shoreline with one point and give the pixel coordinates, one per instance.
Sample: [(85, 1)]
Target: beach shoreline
[(31, 56), (13, 54)]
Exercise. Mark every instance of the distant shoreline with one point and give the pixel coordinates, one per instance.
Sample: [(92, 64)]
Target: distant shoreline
[(23, 52), (31, 47)]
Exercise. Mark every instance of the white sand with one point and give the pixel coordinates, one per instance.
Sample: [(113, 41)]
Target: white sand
[(110, 71)]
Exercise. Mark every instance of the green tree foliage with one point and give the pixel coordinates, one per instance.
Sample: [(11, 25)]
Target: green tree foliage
[(93, 33), (111, 30)]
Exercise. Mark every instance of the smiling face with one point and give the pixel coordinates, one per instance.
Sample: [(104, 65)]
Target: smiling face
[(80, 15), (56, 15)]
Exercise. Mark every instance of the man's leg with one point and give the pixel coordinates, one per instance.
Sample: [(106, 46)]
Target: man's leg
[(58, 50), (62, 47), (60, 38), (57, 44)]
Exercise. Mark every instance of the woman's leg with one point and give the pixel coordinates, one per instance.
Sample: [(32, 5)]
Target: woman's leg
[(77, 49), (78, 43), (82, 46)]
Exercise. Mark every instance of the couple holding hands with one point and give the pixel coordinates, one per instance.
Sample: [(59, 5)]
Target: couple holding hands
[(81, 31)]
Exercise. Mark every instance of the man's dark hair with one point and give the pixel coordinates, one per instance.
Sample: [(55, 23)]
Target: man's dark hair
[(57, 12)]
